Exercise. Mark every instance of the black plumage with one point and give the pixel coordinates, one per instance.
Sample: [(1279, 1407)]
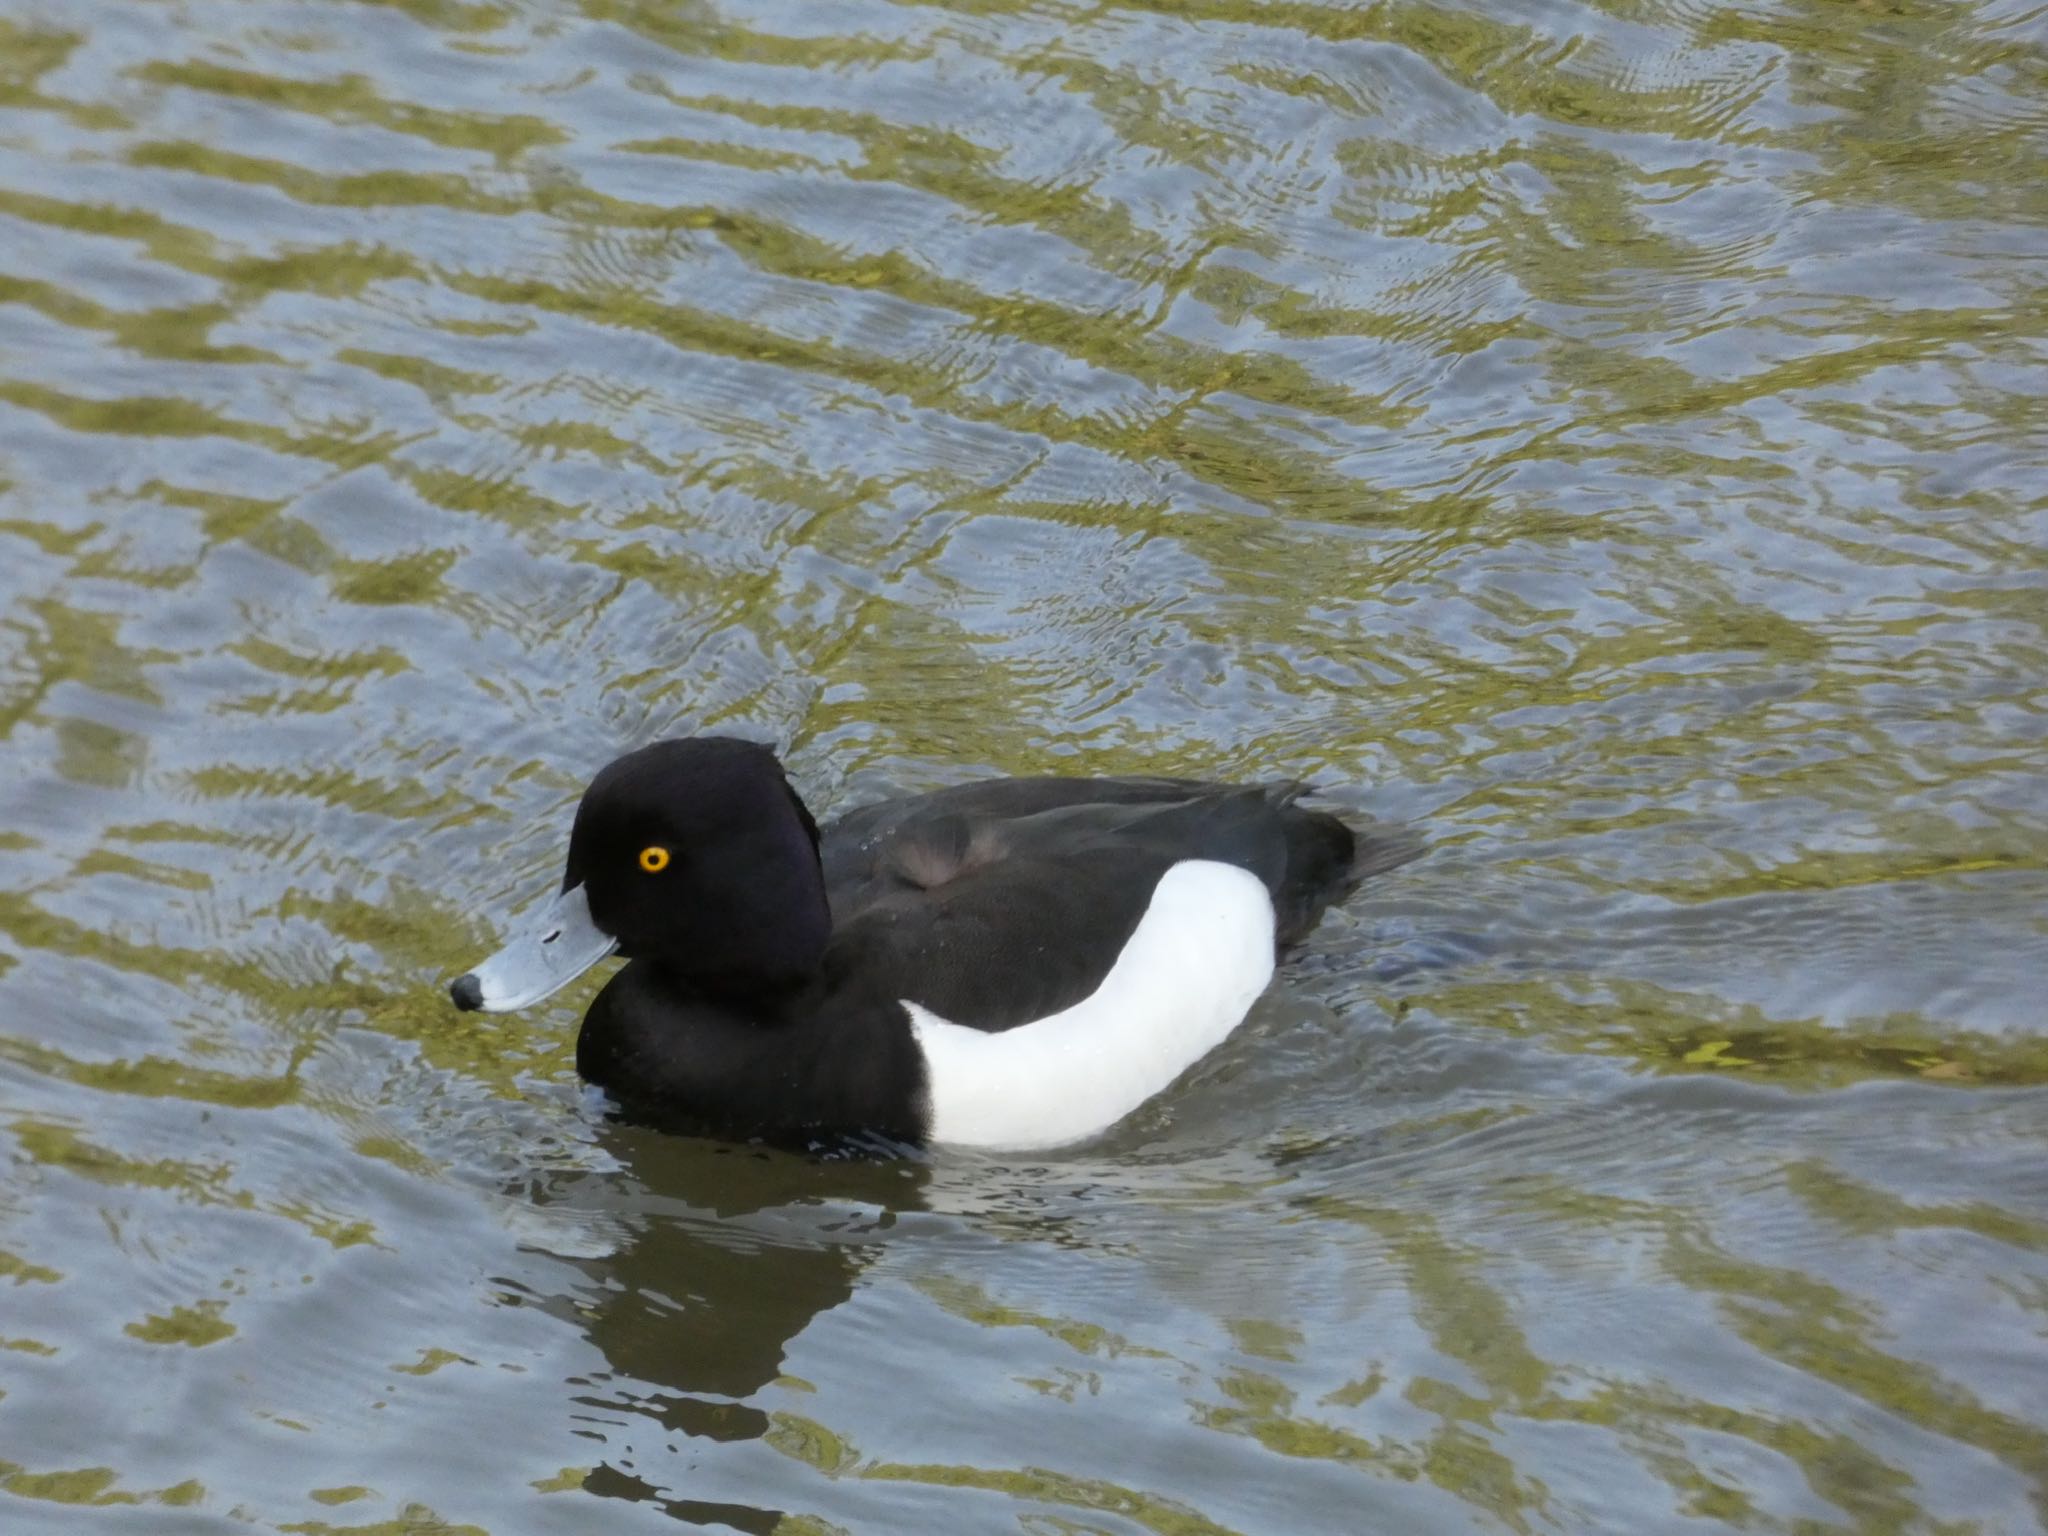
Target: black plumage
[(767, 961)]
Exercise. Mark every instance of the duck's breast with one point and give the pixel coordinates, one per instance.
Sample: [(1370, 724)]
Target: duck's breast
[(1198, 959)]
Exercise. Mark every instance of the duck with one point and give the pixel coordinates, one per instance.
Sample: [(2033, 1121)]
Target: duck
[(1014, 964)]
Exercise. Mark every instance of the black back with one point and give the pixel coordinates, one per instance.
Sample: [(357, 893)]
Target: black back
[(997, 903)]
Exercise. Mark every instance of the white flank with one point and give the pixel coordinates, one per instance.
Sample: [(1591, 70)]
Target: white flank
[(1201, 955)]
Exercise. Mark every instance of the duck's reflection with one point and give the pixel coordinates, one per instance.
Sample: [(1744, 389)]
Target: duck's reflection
[(722, 1255)]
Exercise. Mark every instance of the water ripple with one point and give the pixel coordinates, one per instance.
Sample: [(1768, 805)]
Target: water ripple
[(1603, 434)]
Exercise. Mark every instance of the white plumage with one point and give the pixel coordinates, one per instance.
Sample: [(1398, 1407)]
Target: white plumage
[(1198, 960)]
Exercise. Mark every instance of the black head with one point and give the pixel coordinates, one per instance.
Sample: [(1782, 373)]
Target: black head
[(698, 856)]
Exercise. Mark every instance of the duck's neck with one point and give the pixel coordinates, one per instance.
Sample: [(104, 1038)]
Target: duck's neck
[(763, 991)]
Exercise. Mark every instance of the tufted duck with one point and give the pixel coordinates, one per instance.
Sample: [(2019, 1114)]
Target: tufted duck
[(1014, 963)]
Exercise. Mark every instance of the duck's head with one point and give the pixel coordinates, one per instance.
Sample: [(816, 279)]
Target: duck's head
[(695, 855)]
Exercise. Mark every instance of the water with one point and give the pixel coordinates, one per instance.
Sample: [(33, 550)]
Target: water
[(1606, 436)]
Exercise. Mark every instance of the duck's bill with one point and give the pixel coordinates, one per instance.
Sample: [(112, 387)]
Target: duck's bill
[(560, 943)]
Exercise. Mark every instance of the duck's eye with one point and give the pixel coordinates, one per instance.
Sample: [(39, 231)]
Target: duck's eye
[(654, 860)]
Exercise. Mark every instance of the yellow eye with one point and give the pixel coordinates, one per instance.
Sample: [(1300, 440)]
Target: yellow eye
[(654, 860)]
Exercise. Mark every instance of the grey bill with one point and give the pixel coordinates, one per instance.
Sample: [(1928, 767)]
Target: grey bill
[(560, 943)]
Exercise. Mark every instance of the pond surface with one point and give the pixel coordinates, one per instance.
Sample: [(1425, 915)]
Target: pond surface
[(1607, 436)]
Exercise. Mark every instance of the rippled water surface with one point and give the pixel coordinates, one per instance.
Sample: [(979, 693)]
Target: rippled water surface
[(1609, 436)]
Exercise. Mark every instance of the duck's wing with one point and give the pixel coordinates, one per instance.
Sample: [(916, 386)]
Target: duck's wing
[(998, 903), (858, 843), (932, 840), (999, 945)]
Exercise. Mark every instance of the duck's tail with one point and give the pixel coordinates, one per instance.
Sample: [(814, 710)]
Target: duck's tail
[(1328, 857)]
